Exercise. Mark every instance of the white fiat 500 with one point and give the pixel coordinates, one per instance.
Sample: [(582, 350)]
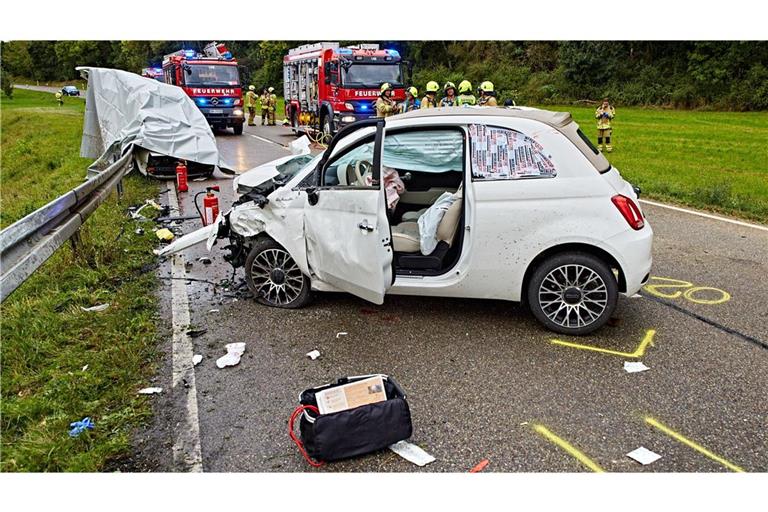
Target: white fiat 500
[(491, 203)]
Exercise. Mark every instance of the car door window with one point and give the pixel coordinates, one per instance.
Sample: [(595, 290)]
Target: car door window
[(504, 154), (352, 168)]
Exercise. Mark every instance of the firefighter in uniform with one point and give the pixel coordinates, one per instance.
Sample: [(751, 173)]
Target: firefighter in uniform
[(264, 103), (59, 98), (449, 100), (430, 100), (250, 104), (465, 94), (604, 114), (272, 105), (385, 105), (411, 101), (487, 95)]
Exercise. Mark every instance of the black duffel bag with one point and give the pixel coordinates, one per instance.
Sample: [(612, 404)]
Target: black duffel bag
[(344, 434)]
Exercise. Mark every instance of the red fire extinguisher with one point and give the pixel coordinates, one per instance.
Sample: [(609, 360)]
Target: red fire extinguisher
[(210, 205), (181, 176)]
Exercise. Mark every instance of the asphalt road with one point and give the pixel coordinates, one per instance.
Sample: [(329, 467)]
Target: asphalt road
[(45, 88), (481, 375)]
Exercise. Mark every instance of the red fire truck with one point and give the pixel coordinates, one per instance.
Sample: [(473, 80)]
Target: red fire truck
[(327, 87), (212, 80)]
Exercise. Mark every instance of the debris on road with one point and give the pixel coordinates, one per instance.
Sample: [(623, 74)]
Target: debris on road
[(78, 427), (341, 334), (213, 310), (234, 353), (196, 333), (636, 296), (196, 359), (480, 466), (165, 234), (96, 309), (150, 391), (643, 455), (313, 354), (634, 366), (412, 453)]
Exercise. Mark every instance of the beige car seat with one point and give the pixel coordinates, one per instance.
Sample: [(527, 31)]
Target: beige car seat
[(405, 236)]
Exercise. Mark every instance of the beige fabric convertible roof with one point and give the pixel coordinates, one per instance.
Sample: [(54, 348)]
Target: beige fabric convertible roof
[(561, 121)]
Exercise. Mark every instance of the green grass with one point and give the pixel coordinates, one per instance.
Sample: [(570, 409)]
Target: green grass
[(711, 160), (46, 338)]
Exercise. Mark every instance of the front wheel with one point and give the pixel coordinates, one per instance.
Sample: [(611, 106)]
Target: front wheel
[(274, 278), (238, 128), (573, 293), (327, 135)]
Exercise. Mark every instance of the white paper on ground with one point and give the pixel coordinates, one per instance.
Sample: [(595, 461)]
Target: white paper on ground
[(150, 391), (634, 366), (412, 453), (313, 355), (196, 359), (234, 352), (636, 296), (341, 334), (643, 455), (100, 307)]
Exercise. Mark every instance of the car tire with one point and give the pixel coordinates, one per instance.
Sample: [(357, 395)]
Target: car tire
[(238, 129), (295, 122), (274, 278), (572, 293), (326, 126)]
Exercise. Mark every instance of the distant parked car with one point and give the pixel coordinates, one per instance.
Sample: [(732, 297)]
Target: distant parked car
[(70, 90)]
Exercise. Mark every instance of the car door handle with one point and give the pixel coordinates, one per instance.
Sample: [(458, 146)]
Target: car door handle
[(365, 226)]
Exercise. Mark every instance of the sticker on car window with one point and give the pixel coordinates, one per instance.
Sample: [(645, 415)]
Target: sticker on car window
[(504, 154)]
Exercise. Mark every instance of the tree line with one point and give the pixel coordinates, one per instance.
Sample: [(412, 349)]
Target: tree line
[(727, 75)]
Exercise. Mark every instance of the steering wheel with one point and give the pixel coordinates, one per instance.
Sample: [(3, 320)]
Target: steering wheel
[(362, 169)]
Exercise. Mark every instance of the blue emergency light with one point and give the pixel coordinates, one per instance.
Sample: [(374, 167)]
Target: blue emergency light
[(189, 53), (201, 101), (393, 53), (344, 51)]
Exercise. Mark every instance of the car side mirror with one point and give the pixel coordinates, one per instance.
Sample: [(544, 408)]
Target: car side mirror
[(312, 196)]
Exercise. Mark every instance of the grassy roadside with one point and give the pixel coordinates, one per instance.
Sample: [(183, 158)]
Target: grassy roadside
[(711, 160), (47, 340)]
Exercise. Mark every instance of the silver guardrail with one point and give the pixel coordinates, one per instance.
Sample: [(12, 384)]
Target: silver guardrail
[(27, 243)]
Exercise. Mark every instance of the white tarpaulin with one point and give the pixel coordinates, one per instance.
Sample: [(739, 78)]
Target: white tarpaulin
[(123, 110)]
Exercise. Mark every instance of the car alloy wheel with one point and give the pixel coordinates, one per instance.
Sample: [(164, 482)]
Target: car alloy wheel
[(274, 277), (573, 296)]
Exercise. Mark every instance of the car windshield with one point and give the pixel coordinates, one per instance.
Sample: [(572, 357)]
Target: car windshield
[(70, 88), (290, 168), (372, 75), (212, 74)]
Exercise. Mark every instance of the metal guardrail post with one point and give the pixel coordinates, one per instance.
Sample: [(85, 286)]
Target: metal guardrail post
[(27, 243)]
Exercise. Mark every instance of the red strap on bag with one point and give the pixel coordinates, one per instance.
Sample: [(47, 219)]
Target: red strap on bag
[(299, 410)]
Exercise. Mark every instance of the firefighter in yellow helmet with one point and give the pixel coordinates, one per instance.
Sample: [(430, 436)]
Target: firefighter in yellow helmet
[(59, 98), (250, 103), (264, 104), (487, 95), (450, 99), (430, 100), (465, 94), (411, 100), (604, 114), (385, 105), (272, 105)]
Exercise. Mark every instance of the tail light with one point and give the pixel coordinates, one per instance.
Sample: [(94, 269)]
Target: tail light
[(630, 211)]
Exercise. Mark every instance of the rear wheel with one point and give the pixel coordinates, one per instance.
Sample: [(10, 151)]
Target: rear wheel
[(573, 293), (274, 278)]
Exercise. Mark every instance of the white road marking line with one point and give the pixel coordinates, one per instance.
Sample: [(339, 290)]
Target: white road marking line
[(706, 215), (269, 141), (186, 445)]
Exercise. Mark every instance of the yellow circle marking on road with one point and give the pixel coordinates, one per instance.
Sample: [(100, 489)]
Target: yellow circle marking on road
[(725, 296)]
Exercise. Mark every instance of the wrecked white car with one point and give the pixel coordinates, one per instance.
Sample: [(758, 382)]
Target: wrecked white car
[(512, 204)]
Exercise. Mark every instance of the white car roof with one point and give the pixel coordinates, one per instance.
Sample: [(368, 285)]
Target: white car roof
[(561, 121)]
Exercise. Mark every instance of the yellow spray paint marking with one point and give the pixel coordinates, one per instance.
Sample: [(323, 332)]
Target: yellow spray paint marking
[(679, 437), (684, 289), (639, 351), (568, 447)]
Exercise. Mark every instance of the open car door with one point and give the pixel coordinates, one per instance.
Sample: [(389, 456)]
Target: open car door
[(345, 221)]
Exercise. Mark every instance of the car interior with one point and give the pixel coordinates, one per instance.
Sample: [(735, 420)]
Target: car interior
[(423, 170)]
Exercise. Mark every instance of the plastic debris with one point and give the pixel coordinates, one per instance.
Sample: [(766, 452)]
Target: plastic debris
[(313, 355), (643, 455), (84, 368), (480, 466), (234, 353), (341, 334), (196, 333), (200, 179), (205, 260), (139, 231), (97, 308), (634, 366), (636, 296), (213, 310), (150, 391), (196, 359), (164, 234), (412, 453), (78, 427)]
